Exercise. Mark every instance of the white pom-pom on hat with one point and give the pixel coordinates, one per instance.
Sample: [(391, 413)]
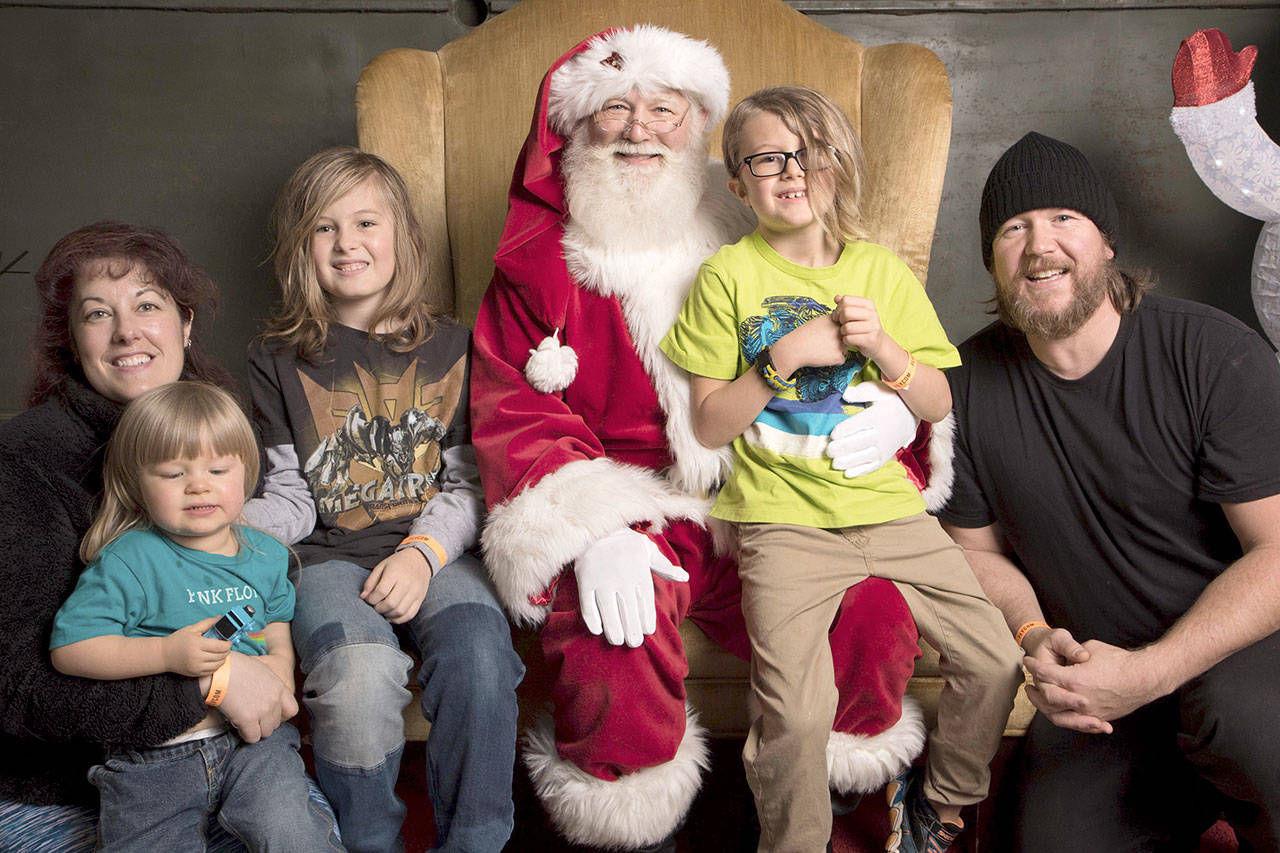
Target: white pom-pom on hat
[(648, 57), (551, 367)]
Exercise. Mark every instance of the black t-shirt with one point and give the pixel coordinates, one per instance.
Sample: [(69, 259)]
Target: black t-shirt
[(1108, 487), (370, 427)]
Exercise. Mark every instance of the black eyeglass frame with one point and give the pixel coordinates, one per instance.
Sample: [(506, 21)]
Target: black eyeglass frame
[(786, 155)]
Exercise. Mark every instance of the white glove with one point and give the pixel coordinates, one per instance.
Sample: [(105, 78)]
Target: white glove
[(863, 442), (615, 586)]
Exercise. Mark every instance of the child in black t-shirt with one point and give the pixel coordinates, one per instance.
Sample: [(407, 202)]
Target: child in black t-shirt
[(361, 399)]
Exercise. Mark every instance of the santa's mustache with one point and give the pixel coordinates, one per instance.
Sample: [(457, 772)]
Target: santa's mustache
[(634, 150)]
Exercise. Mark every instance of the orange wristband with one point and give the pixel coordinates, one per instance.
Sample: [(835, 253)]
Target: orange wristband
[(1027, 626), (218, 684), (435, 547), (903, 382)]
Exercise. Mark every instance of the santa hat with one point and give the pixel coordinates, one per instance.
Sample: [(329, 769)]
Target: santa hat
[(598, 68), (645, 57)]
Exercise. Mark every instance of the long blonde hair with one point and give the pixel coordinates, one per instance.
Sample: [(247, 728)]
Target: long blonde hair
[(819, 123), (305, 312), (175, 421)]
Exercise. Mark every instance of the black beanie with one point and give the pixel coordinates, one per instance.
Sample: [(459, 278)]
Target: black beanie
[(1042, 172)]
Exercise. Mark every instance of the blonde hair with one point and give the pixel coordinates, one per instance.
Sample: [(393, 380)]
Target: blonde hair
[(179, 420), (819, 123), (305, 313)]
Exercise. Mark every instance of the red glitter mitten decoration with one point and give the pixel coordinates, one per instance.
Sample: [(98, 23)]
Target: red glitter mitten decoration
[(1206, 70)]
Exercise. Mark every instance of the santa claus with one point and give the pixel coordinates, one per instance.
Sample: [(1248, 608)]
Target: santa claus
[(597, 487)]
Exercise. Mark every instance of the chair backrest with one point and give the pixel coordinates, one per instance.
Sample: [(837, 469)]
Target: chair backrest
[(452, 121)]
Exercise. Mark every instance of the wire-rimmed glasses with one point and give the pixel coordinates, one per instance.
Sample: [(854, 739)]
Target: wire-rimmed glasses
[(654, 126)]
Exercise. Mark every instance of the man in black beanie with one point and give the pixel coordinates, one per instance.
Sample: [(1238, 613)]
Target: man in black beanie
[(1118, 495)]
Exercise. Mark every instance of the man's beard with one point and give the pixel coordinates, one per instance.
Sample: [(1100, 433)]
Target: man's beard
[(1090, 285), (618, 205)]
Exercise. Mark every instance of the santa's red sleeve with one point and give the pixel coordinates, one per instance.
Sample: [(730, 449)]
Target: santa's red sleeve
[(550, 487)]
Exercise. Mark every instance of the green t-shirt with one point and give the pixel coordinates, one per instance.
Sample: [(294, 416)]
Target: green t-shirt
[(143, 584), (746, 297)]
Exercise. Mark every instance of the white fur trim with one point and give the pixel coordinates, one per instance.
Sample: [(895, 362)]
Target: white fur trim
[(551, 367), (529, 539), (942, 472), (866, 763), (644, 56), (651, 285), (636, 810)]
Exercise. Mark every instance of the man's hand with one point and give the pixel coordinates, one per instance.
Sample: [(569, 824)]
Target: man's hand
[(1083, 687), (396, 586), (256, 701), (615, 586), (187, 652), (1056, 647), (863, 442)]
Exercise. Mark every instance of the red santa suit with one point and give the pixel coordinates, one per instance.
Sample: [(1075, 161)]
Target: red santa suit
[(581, 429)]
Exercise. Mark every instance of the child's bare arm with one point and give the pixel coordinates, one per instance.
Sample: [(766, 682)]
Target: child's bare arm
[(928, 395), (111, 657), (723, 409), (279, 657)]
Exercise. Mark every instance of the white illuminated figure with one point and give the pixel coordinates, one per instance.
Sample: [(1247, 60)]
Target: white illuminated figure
[(1215, 117)]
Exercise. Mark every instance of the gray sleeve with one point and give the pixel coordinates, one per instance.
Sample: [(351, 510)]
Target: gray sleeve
[(286, 509), (452, 517)]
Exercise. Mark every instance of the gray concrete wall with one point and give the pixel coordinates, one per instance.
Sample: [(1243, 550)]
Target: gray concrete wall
[(191, 120)]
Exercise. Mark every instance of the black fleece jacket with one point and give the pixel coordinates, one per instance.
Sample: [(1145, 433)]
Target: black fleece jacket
[(54, 726)]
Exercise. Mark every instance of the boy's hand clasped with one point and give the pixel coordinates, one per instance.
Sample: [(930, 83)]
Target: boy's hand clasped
[(859, 325)]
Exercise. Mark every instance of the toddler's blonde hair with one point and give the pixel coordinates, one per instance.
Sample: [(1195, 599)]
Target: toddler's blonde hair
[(179, 420)]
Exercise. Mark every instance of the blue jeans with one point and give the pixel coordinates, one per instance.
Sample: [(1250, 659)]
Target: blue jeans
[(355, 692), (161, 798), (74, 829)]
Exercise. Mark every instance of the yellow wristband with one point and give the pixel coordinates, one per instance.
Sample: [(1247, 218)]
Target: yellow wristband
[(903, 382), (218, 684), (435, 547), (1025, 627)]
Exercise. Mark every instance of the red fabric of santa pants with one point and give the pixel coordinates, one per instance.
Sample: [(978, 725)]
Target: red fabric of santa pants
[(619, 709)]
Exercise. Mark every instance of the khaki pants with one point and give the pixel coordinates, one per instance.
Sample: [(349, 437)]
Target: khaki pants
[(792, 581)]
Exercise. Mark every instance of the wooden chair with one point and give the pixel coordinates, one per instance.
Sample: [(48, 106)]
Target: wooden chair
[(452, 121)]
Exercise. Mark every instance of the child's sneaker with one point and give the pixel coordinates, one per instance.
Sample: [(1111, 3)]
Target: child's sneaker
[(914, 827)]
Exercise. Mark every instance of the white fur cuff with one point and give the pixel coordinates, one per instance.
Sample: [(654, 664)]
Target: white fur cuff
[(866, 763), (636, 810), (529, 539), (942, 472)]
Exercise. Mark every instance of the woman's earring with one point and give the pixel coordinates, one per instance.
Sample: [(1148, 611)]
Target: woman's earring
[(187, 345)]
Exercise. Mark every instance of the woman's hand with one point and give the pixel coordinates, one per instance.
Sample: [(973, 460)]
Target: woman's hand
[(188, 652), (257, 702), (396, 586)]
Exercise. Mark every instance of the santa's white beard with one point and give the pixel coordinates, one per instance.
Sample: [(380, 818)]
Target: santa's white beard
[(613, 203)]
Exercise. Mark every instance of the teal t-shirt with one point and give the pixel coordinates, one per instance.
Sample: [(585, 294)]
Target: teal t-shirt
[(143, 584), (746, 297)]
